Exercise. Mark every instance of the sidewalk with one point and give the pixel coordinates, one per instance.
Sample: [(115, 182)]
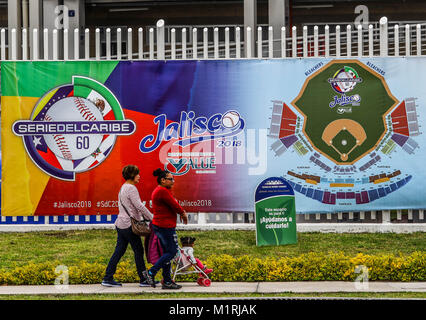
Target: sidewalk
[(224, 287)]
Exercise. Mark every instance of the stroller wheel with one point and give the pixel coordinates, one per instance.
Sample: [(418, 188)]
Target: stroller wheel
[(200, 281), (206, 282)]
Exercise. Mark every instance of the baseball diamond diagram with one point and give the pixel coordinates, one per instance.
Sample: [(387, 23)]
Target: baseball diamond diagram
[(345, 120)]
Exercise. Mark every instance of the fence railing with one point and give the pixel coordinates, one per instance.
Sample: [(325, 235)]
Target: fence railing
[(211, 42), (161, 42)]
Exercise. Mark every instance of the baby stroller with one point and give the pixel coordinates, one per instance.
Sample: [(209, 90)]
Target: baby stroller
[(184, 266)]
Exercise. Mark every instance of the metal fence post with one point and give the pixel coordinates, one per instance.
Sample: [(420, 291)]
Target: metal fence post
[(348, 40), (14, 45), (3, 44), (24, 44), (294, 42), (184, 43), (396, 40), (270, 42), (305, 41), (118, 44), (173, 43), (130, 44), (55, 44), (327, 41), (259, 42), (383, 37), (160, 40), (237, 43), (407, 40), (360, 39), (86, 44), (418, 40), (194, 44), (98, 44), (108, 44), (370, 41), (66, 49), (337, 41), (76, 44), (205, 43), (45, 44), (151, 44), (283, 42), (315, 41), (248, 42), (216, 42), (140, 43), (227, 54)]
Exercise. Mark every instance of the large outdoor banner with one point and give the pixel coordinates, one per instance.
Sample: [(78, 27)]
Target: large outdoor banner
[(345, 134)]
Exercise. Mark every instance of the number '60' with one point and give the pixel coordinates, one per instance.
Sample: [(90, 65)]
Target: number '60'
[(82, 142)]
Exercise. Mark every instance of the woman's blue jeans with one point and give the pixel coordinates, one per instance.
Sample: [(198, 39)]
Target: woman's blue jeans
[(169, 243), (124, 237)]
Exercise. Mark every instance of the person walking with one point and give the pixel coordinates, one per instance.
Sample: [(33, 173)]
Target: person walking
[(165, 210), (128, 200)]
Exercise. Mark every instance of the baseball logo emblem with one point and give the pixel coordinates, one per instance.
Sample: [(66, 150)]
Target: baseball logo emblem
[(73, 128), (73, 147), (230, 119), (344, 80)]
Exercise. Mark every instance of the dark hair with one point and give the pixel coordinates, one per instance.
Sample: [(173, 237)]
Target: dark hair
[(187, 240), (160, 174), (130, 172)]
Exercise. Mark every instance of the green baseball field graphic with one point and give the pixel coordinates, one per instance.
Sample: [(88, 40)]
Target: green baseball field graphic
[(344, 106)]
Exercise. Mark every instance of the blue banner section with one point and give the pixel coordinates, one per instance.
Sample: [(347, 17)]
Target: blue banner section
[(152, 87)]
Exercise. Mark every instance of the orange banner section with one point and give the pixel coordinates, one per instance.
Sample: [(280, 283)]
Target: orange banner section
[(311, 181), (381, 180), (343, 185)]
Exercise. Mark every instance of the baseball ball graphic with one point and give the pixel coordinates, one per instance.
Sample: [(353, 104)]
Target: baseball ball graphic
[(230, 119), (73, 146)]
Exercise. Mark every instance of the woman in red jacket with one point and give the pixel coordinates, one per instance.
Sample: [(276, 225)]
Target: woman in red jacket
[(165, 210)]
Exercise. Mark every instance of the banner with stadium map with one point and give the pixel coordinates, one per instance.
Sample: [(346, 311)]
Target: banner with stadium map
[(345, 134)]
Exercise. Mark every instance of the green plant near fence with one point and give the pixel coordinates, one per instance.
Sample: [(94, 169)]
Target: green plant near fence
[(306, 267)]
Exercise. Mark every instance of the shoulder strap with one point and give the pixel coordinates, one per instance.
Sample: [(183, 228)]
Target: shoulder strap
[(119, 199), (125, 209)]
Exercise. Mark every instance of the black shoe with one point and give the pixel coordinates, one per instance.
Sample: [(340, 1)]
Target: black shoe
[(111, 283), (171, 285), (144, 283), (149, 279)]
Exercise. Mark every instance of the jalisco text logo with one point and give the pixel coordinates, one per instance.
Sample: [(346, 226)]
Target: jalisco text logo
[(344, 100), (73, 128), (190, 130)]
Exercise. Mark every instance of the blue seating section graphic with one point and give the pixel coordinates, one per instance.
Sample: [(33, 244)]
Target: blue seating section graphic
[(360, 197)]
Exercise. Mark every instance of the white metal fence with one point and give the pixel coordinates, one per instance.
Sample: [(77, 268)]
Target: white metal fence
[(161, 42)]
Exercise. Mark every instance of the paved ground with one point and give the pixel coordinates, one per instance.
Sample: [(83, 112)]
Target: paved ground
[(225, 287)]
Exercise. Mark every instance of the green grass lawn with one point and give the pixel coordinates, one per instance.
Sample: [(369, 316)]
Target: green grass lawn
[(183, 295), (69, 247)]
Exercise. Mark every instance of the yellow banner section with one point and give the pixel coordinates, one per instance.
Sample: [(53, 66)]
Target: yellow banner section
[(341, 185), (22, 182)]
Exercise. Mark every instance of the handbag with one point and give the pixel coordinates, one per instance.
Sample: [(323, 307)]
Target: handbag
[(139, 228)]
